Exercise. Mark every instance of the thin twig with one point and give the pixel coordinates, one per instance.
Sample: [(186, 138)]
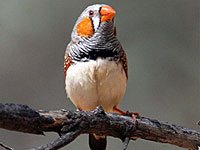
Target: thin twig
[(125, 143), (60, 142)]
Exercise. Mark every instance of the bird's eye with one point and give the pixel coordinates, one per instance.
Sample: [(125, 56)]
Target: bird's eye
[(91, 13)]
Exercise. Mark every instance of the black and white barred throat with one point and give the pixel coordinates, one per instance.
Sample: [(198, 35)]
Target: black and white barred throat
[(103, 44)]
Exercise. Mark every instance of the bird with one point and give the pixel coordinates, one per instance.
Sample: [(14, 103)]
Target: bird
[(95, 65)]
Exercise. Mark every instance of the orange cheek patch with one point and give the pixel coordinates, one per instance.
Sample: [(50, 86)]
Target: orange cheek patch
[(85, 28)]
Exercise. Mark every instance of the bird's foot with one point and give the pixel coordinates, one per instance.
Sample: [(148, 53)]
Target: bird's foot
[(133, 115)]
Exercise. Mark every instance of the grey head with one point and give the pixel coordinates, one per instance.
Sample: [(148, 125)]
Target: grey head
[(93, 35), (92, 20)]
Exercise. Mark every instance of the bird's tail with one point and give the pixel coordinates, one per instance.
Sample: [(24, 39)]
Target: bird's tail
[(97, 142)]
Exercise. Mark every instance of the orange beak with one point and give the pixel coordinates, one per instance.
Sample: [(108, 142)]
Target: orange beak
[(107, 13)]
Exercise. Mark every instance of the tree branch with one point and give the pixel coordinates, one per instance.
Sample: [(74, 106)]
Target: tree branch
[(70, 124)]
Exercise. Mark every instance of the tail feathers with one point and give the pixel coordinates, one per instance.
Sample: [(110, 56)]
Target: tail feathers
[(97, 143)]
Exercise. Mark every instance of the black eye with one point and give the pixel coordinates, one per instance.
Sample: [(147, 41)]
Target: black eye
[(91, 13)]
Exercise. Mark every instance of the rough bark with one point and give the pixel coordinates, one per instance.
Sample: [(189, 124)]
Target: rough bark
[(70, 124)]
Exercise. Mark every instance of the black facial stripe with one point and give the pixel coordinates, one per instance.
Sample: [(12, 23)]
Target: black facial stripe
[(92, 23), (100, 15)]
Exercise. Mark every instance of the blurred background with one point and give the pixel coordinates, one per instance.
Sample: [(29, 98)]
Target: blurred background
[(161, 38)]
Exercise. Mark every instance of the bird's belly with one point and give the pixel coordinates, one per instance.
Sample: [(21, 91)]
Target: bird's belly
[(90, 84)]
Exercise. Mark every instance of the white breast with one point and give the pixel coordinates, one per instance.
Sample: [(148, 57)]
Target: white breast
[(94, 83)]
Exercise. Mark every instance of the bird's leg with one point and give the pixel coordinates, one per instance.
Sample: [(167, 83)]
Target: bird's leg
[(134, 115)]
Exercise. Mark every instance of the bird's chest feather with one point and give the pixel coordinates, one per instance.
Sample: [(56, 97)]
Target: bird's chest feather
[(93, 83)]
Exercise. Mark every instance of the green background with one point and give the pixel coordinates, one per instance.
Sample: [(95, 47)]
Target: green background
[(161, 38)]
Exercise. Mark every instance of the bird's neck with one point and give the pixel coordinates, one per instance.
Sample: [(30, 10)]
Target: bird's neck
[(103, 44)]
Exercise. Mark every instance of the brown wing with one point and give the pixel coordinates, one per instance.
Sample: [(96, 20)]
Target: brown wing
[(67, 62), (124, 62)]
